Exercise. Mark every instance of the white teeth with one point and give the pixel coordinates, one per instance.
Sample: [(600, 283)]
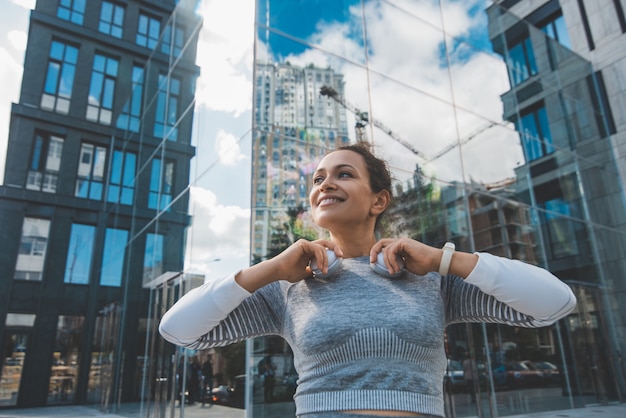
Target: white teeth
[(327, 201)]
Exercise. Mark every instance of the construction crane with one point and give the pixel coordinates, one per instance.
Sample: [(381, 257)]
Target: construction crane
[(363, 119)]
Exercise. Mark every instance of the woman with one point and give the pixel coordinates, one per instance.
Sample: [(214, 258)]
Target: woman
[(364, 344)]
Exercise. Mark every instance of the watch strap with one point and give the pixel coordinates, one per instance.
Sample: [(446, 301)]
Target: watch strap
[(446, 258)]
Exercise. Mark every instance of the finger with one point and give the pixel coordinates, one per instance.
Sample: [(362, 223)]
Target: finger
[(330, 245), (388, 257), (318, 257), (377, 248)]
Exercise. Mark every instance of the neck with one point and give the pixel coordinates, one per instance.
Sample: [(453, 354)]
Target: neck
[(353, 245)]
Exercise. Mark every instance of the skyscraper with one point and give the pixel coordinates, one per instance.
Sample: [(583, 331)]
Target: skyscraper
[(294, 125), (565, 65), (94, 201)]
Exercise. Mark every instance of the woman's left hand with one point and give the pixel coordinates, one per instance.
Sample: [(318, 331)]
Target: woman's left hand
[(418, 258)]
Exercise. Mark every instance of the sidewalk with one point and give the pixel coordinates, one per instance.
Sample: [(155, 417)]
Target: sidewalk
[(217, 411), (126, 411)]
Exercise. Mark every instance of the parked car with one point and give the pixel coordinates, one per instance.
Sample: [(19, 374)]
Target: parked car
[(220, 395), (550, 374), (234, 395), (519, 374)]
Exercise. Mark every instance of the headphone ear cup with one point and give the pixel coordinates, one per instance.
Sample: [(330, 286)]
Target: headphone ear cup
[(380, 268), (334, 263)]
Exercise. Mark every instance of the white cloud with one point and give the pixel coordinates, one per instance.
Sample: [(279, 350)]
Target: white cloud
[(217, 232), (225, 49), (27, 4), (18, 39), (413, 90), (228, 148), (11, 76)]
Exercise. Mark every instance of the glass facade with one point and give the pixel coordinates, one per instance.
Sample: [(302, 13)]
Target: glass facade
[(500, 140), (96, 193), (502, 132)]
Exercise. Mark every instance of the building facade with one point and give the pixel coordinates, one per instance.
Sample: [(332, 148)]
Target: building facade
[(555, 70), (93, 204), (566, 64)]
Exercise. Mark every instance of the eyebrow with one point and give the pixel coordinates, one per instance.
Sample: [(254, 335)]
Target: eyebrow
[(337, 167)]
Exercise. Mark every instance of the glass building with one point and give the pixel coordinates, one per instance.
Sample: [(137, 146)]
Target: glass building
[(504, 128), (94, 203), (503, 122)]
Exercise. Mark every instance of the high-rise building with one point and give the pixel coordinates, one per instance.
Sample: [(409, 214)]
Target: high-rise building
[(294, 125), (93, 203), (565, 62)]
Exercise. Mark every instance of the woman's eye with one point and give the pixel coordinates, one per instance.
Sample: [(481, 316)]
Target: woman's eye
[(318, 179), (344, 174)]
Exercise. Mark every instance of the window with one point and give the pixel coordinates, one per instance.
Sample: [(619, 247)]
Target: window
[(153, 257), (561, 228), (79, 253), (555, 28), (57, 91), (170, 39), (115, 241), (521, 61), (130, 117), (161, 181), (167, 108), (90, 172), (32, 252), (72, 10), (535, 134), (111, 19), (102, 89), (148, 31), (121, 187), (45, 162), (67, 353)]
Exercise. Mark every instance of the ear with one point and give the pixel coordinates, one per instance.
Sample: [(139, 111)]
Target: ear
[(381, 202)]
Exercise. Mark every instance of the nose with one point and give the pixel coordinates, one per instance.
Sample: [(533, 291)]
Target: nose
[(327, 184)]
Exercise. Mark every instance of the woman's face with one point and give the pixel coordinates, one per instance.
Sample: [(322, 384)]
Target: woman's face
[(341, 193)]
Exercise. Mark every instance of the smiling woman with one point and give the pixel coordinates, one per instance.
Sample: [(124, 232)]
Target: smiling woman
[(382, 354)]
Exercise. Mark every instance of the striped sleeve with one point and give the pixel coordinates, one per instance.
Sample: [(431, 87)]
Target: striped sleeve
[(467, 303), (502, 290), (221, 312), (260, 314)]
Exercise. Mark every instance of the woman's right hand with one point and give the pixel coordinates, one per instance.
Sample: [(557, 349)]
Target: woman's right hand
[(291, 265)]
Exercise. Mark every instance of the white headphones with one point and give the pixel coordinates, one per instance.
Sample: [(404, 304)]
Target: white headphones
[(334, 263)]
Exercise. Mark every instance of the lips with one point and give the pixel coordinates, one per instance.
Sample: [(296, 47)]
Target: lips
[(328, 201)]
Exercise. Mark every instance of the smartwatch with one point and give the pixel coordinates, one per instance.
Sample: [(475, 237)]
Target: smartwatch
[(446, 258)]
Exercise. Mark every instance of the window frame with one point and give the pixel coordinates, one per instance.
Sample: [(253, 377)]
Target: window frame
[(166, 111), (82, 251), (36, 248), (59, 81), (101, 97), (90, 180), (41, 176), (124, 181), (161, 177), (114, 26), (72, 11), (150, 38), (130, 117)]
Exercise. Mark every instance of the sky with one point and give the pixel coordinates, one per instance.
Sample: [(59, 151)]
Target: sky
[(406, 46)]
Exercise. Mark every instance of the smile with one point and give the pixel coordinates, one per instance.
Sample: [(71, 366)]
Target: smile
[(328, 201)]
